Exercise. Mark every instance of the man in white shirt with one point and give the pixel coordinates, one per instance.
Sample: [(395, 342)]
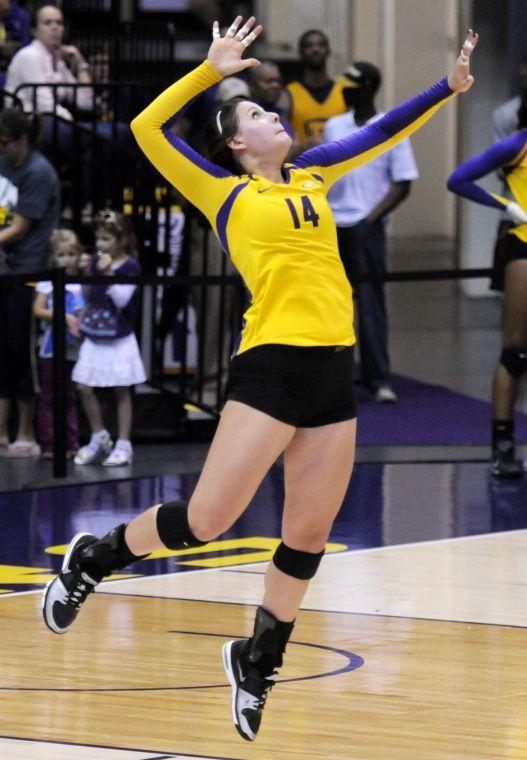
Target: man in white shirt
[(47, 61), (505, 118), (360, 202), (67, 128)]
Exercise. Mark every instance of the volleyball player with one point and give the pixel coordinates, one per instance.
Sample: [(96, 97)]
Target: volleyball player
[(510, 155), (290, 387)]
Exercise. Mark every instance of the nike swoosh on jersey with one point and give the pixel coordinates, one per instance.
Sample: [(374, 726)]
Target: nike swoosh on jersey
[(265, 189)]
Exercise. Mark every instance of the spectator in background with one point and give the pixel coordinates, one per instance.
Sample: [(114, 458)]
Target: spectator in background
[(361, 202), (505, 116), (267, 89), (109, 356), (47, 61), (315, 97), (14, 33), (29, 212), (231, 87), (65, 253)]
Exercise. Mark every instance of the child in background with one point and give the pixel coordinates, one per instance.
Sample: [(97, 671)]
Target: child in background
[(65, 253), (109, 356)]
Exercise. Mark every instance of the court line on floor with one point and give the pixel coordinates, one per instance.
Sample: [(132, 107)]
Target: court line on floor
[(370, 549), (316, 609), (167, 753), (354, 662)]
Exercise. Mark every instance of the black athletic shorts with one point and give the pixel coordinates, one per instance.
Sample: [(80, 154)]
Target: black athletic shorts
[(305, 387), (516, 250)]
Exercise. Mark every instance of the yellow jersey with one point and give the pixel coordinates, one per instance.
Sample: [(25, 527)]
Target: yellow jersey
[(308, 115), (509, 154), (281, 236)]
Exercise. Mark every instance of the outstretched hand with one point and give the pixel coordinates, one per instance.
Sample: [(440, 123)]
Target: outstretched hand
[(460, 79), (225, 53)]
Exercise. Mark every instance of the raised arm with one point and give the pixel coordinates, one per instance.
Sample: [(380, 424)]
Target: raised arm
[(503, 154), (202, 182), (335, 159)]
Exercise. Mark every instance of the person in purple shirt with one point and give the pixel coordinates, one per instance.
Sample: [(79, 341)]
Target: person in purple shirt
[(509, 155), (109, 356)]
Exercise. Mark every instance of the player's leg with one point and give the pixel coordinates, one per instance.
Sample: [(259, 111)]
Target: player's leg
[(245, 445), (318, 464), (509, 371)]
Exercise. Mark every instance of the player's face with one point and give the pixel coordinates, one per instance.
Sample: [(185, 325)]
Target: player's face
[(260, 133)]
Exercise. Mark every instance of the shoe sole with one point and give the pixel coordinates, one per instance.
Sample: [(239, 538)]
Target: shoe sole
[(64, 568), (226, 654), (117, 464)]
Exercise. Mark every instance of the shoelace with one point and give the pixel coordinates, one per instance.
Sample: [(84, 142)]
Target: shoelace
[(77, 595), (261, 685)]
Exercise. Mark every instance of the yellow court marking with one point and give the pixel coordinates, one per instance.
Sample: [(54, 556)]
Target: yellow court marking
[(263, 546), (15, 574)]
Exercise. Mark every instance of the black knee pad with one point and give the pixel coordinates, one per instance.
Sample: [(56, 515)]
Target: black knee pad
[(514, 360), (301, 565), (173, 528)]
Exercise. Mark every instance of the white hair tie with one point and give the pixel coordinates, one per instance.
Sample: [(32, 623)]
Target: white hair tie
[(218, 122)]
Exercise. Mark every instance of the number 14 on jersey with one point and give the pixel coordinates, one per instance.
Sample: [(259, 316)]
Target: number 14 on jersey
[(310, 215)]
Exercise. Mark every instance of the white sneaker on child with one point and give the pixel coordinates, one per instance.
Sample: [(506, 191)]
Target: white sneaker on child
[(122, 454), (99, 445), (385, 395)]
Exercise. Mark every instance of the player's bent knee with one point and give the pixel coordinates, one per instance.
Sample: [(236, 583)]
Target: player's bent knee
[(297, 564), (173, 526), (514, 360)]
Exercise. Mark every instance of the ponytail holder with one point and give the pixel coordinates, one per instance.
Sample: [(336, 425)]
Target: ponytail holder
[(218, 122)]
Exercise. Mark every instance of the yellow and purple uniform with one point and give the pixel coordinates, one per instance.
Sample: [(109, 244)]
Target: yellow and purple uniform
[(280, 236), (509, 154), (308, 115)]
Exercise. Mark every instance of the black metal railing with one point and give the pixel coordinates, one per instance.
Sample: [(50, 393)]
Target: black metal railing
[(189, 387)]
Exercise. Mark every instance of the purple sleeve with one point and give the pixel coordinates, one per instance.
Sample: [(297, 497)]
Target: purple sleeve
[(97, 295), (130, 268), (375, 134), (498, 155)]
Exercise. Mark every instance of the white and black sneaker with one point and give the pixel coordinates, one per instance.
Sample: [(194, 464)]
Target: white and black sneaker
[(249, 690), (65, 594)]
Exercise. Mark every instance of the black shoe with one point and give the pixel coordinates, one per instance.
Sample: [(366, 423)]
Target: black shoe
[(249, 690), (504, 465), (65, 594)]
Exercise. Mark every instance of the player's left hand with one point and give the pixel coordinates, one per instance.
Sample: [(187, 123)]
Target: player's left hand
[(460, 79)]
